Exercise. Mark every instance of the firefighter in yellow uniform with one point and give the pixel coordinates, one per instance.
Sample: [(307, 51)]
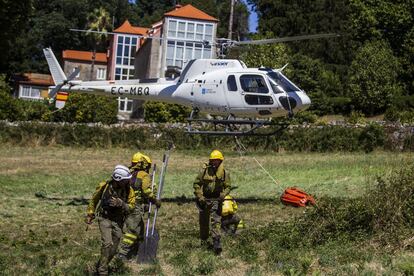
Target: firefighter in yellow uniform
[(211, 186), (112, 201), (134, 224), (231, 223)]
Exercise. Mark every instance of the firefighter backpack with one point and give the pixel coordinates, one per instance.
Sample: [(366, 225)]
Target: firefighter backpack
[(296, 197)]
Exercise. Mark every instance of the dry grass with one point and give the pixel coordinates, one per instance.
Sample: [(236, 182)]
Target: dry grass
[(48, 236)]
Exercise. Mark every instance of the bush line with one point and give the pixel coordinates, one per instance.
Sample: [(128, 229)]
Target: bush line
[(157, 136)]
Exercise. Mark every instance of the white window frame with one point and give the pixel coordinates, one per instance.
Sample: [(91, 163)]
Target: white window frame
[(30, 96), (125, 102), (188, 46), (189, 37), (172, 32), (101, 73)]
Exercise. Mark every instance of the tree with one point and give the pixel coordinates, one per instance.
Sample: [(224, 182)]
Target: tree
[(373, 77), (98, 26), (13, 17), (270, 55)]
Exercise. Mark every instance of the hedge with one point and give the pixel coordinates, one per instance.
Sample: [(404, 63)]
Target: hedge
[(158, 136)]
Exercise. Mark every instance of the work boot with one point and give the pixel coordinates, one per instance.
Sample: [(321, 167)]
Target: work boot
[(121, 257), (217, 246)]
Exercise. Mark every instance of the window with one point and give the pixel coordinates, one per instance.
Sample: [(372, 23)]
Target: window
[(172, 28), (199, 31), (209, 32), (181, 30), (282, 82), (124, 105), (101, 74), (124, 68), (258, 100), (179, 53), (253, 84), (231, 83), (30, 92), (190, 30), (182, 48)]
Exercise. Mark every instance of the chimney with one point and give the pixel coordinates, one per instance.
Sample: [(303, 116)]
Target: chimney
[(177, 6)]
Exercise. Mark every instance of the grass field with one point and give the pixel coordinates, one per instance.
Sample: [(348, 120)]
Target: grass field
[(46, 235)]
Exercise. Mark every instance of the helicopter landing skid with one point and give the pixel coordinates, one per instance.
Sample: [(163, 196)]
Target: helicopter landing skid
[(232, 127)]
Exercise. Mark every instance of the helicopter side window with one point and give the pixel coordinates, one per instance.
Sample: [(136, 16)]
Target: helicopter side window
[(254, 84), (258, 100), (275, 87), (231, 83), (282, 81)]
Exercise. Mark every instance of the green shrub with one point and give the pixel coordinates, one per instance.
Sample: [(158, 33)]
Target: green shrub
[(384, 212), (356, 117), (9, 107), (81, 108), (297, 139), (34, 110), (162, 113), (372, 136)]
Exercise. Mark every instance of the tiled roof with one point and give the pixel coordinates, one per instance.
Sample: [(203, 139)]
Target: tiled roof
[(189, 11), (35, 79), (84, 55), (127, 28)]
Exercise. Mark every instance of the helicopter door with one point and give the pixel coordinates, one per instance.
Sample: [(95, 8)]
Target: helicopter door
[(233, 95), (257, 93)]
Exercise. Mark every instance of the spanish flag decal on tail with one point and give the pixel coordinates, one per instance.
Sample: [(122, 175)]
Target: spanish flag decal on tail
[(61, 98)]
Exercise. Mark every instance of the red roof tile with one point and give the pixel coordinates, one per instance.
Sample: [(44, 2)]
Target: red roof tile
[(189, 11), (84, 55), (35, 79), (127, 28)]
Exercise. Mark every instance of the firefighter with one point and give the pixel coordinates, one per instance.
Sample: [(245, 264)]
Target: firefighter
[(211, 186), (112, 201), (231, 223), (134, 224)]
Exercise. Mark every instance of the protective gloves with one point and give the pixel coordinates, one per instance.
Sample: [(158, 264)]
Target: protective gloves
[(118, 203), (115, 202), (156, 202), (222, 196), (89, 218), (201, 202)]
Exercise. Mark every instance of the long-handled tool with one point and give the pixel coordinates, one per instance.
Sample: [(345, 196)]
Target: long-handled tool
[(143, 246), (149, 252)]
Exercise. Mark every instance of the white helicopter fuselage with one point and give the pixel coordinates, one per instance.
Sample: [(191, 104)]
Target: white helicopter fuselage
[(217, 87)]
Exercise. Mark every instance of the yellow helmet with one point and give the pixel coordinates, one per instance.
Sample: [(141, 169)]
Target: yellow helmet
[(140, 161), (146, 158), (137, 157), (215, 154)]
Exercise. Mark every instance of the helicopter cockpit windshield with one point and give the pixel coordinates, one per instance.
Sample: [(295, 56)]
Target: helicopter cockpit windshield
[(280, 83)]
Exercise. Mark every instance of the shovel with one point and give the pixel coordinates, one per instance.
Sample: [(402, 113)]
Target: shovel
[(147, 251)]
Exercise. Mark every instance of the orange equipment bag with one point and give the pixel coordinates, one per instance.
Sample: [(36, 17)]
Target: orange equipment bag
[(296, 197)]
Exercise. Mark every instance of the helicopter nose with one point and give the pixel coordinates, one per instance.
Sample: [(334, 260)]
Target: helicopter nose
[(302, 100)]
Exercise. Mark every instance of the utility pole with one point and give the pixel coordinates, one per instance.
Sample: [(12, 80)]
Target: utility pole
[(231, 19)]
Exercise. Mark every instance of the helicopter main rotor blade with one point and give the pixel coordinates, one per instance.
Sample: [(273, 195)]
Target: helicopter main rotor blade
[(284, 39), (74, 74)]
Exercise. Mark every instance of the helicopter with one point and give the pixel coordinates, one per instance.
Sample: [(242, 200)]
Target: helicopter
[(218, 87)]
